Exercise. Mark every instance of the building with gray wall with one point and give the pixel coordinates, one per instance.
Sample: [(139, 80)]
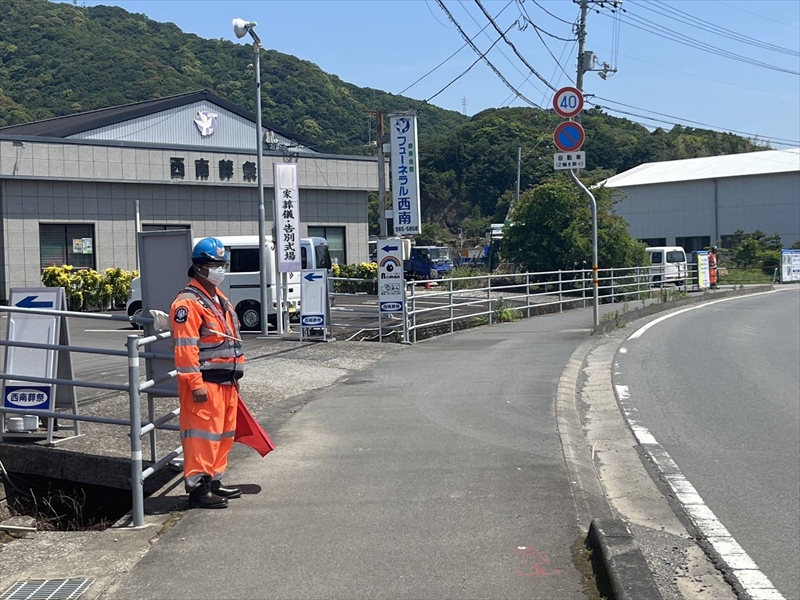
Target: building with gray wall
[(73, 188), (701, 201)]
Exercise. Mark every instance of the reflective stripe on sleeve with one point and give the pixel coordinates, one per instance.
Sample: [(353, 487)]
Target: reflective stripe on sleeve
[(186, 341), (187, 369)]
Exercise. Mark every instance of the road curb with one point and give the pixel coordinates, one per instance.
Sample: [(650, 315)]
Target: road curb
[(623, 319), (621, 561)]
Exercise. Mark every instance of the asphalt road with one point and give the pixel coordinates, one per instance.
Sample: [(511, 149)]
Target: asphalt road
[(719, 389)]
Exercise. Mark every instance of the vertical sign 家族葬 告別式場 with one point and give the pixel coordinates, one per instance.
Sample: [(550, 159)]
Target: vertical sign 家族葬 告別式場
[(287, 229)]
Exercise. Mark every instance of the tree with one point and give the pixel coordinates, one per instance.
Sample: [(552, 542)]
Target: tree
[(552, 229), (432, 234)]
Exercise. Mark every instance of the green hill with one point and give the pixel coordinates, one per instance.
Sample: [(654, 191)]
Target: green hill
[(57, 59)]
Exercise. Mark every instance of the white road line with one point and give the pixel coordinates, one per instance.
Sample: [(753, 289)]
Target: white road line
[(742, 567), (638, 333), (128, 331)]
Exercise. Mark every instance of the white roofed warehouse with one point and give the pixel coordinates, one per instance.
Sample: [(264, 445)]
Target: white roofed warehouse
[(70, 187), (697, 202)]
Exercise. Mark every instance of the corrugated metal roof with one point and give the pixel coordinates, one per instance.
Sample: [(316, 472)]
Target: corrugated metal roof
[(73, 125), (709, 167)]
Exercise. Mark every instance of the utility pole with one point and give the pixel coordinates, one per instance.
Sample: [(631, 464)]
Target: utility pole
[(587, 59), (519, 168), (581, 44), (381, 175)]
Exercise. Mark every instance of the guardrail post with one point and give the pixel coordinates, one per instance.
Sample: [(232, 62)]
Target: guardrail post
[(583, 287), (137, 483), (613, 287), (528, 294), (452, 309), (151, 416), (489, 295), (414, 309), (405, 314), (560, 296)]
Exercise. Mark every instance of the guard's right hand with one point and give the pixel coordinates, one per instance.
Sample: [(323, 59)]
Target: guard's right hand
[(200, 395)]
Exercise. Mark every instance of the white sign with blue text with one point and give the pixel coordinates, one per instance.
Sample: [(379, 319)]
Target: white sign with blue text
[(405, 173), (314, 298), (790, 265), (391, 283), (32, 362)]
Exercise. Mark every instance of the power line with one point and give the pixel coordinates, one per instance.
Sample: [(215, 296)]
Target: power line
[(681, 120), (660, 30), (698, 23), (549, 13), (483, 56), (500, 50), (757, 15), (514, 48), (454, 53)]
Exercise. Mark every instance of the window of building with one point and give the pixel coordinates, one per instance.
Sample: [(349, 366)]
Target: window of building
[(654, 242), (336, 241), (690, 244), (161, 226), (71, 244)]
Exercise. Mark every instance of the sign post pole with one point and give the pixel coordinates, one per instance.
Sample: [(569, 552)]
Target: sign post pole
[(569, 137)]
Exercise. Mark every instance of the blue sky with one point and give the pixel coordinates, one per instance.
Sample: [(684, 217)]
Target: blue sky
[(389, 44)]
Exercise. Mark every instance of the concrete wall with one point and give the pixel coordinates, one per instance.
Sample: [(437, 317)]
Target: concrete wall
[(110, 207), (770, 203)]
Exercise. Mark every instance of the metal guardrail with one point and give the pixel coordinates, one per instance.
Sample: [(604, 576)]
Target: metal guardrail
[(134, 388), (487, 296)]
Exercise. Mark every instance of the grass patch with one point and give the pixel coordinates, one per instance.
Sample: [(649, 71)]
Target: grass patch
[(172, 519), (745, 276), (582, 561)]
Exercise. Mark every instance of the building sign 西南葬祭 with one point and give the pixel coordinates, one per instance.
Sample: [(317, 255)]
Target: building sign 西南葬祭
[(405, 174), (287, 217), (206, 122)]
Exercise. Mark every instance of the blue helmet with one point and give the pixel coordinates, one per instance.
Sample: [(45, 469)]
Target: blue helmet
[(713, 247), (209, 250)]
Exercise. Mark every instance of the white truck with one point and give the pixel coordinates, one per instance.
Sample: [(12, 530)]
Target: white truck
[(669, 265), (241, 285)]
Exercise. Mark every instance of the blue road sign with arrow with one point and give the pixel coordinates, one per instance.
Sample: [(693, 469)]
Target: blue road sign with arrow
[(388, 248), (30, 302), (312, 276)]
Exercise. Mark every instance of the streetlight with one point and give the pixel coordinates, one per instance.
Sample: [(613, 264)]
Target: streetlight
[(242, 28)]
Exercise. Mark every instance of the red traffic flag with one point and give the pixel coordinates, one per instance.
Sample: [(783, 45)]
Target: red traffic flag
[(249, 432)]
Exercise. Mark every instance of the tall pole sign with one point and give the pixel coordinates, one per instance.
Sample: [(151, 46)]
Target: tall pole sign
[(569, 137), (405, 173)]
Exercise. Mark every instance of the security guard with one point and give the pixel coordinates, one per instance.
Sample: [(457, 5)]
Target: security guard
[(209, 361)]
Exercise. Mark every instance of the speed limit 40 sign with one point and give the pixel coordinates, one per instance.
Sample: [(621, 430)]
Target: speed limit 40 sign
[(568, 102)]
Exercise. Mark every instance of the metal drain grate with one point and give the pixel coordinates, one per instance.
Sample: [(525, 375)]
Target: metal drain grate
[(47, 589)]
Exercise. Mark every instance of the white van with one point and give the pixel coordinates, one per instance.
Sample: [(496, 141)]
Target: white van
[(241, 285), (668, 264)]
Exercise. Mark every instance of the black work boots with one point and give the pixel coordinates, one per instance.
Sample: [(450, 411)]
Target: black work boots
[(202, 496), (226, 492)]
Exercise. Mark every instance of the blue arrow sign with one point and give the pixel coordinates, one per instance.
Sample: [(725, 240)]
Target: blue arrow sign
[(390, 248), (30, 302), (312, 276)]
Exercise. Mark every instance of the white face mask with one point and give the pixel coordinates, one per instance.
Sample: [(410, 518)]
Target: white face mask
[(216, 276)]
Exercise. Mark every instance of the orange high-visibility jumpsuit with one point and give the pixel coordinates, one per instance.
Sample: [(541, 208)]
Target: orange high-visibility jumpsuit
[(712, 268), (205, 358)]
